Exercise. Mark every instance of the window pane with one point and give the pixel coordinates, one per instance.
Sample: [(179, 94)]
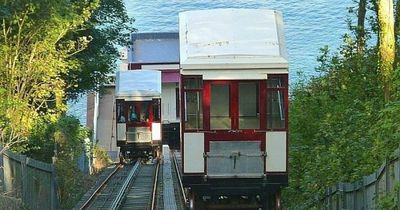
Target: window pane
[(274, 83), (132, 113), (193, 83), (144, 111), (219, 107), (156, 110), (275, 109), (249, 117), (193, 110)]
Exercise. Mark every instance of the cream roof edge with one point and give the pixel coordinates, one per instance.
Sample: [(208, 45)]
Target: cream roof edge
[(232, 38)]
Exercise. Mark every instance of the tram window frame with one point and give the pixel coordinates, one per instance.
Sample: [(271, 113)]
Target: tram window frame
[(281, 90), (190, 85)]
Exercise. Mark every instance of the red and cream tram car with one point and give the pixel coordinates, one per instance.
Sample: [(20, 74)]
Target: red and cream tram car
[(138, 112), (234, 91)]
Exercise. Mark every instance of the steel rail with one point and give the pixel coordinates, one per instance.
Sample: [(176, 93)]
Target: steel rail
[(89, 201), (121, 194), (179, 178), (155, 184)]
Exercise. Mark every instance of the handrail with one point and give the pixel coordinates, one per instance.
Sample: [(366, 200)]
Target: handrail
[(179, 178)]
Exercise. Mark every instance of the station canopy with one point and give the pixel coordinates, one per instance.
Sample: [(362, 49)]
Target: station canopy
[(138, 85), (232, 39)]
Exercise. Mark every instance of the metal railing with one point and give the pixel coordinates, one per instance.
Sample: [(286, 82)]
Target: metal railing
[(366, 193), (34, 182)]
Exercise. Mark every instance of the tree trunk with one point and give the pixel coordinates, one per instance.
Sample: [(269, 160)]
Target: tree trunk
[(361, 26), (386, 44)]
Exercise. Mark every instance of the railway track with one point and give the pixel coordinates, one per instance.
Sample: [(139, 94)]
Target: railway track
[(142, 193), (110, 189), (140, 186)]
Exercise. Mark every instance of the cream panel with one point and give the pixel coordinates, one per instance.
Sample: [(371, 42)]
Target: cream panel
[(276, 151), (168, 103), (156, 131), (193, 153), (121, 130)]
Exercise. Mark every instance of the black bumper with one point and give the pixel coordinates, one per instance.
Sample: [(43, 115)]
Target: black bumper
[(235, 186)]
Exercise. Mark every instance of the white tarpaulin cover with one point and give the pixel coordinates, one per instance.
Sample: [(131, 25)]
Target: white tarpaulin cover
[(232, 37), (138, 84)]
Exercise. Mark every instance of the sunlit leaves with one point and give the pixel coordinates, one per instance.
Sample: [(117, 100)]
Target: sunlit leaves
[(34, 55)]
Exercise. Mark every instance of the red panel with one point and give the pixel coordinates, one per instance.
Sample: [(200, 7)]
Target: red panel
[(234, 105), (206, 104), (132, 66)]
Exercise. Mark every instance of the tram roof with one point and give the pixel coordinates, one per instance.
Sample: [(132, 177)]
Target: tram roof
[(232, 39), (138, 84)]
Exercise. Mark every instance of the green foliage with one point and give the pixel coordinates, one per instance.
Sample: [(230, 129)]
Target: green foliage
[(66, 138), (101, 159), (34, 54), (109, 27), (51, 51), (69, 138), (390, 200), (340, 128), (101, 155), (387, 130), (71, 182)]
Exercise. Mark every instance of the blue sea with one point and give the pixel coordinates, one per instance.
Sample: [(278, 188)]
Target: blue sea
[(309, 26)]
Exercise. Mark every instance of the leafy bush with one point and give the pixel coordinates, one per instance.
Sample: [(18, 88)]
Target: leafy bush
[(101, 159)]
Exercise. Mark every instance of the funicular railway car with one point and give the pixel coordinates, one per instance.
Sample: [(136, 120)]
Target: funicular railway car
[(160, 51), (234, 90), (138, 112)]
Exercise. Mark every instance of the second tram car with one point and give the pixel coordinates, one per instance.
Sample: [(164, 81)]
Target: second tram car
[(138, 112), (234, 91)]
